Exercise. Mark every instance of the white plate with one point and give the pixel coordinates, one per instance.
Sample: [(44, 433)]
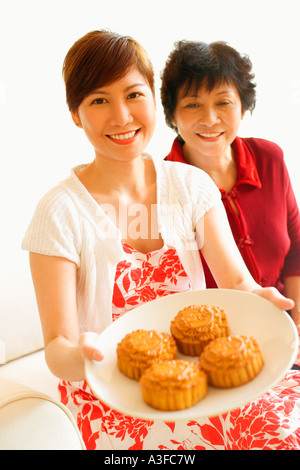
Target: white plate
[(247, 314)]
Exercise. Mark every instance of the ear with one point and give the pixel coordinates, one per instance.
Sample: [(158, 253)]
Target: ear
[(173, 122), (76, 118)]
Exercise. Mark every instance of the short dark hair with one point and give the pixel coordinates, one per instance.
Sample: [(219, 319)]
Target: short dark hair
[(99, 58), (193, 64)]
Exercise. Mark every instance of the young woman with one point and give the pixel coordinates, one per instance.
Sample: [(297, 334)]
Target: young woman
[(101, 241)]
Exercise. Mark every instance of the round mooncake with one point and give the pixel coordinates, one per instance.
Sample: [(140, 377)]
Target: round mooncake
[(231, 361), (141, 348), (173, 385), (195, 326)]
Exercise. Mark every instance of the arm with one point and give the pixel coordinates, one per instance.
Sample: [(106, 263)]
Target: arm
[(54, 281), (225, 261), (292, 290)]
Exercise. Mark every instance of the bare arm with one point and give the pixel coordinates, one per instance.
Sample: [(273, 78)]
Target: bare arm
[(54, 281), (225, 261), (292, 290)]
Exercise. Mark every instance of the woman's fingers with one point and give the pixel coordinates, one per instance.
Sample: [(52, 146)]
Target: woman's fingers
[(274, 296), (88, 345)]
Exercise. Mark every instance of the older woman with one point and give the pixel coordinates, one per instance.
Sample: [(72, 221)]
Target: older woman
[(206, 90), (98, 239)]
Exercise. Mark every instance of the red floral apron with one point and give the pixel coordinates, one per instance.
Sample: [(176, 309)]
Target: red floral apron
[(270, 422)]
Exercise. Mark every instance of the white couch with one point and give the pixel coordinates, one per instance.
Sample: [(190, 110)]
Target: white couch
[(31, 415)]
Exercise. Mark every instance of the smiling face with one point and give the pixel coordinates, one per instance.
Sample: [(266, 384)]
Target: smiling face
[(119, 118), (208, 121)]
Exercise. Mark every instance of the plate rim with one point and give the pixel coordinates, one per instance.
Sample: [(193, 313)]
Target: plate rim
[(155, 414)]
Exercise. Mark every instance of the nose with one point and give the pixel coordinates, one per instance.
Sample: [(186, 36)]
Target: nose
[(208, 116), (120, 114)]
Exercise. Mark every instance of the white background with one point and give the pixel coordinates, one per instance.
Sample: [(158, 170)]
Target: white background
[(38, 141)]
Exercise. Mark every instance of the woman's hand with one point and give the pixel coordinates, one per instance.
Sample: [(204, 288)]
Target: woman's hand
[(274, 296), (88, 348), (297, 361)]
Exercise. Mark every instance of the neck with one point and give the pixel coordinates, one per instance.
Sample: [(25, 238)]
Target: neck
[(113, 177), (221, 168)]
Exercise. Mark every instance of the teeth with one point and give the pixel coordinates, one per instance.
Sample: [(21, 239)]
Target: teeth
[(211, 135), (129, 135)]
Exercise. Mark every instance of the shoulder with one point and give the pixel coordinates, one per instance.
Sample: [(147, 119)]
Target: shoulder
[(262, 148), (55, 228), (186, 183), (177, 172), (269, 161), (183, 172), (57, 200), (58, 209)]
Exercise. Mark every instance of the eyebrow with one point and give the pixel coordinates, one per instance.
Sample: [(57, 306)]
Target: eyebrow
[(103, 92), (223, 92)]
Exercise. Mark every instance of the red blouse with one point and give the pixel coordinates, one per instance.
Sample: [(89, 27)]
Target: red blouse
[(267, 226)]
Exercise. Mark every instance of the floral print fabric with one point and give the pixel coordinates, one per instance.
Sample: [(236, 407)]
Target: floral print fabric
[(143, 277), (271, 422)]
